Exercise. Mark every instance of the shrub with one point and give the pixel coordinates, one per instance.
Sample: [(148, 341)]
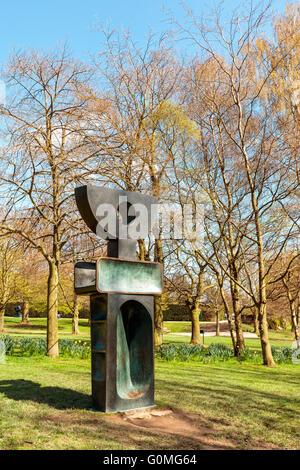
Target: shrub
[(273, 323)]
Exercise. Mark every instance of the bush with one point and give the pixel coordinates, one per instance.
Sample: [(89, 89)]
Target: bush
[(284, 323), (273, 323)]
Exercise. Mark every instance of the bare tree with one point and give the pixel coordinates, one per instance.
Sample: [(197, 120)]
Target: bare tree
[(10, 264), (140, 86), (286, 272), (46, 154), (245, 122)]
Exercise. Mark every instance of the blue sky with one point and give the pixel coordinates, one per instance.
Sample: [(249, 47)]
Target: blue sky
[(33, 23)]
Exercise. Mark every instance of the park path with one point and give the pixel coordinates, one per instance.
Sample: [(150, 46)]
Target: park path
[(21, 331), (247, 334), (209, 329)]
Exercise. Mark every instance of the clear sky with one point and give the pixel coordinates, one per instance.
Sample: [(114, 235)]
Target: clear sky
[(38, 23)]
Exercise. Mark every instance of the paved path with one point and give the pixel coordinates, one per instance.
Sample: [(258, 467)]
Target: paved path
[(247, 334), (22, 331)]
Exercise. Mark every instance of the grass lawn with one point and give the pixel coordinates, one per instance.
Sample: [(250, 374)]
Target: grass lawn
[(253, 344), (278, 338), (45, 404), (38, 327)]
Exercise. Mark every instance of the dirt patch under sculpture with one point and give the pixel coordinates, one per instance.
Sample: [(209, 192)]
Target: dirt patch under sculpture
[(172, 422)]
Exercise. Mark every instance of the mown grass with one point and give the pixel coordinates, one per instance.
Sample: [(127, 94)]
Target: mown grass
[(37, 327), (253, 344), (279, 338), (45, 404)]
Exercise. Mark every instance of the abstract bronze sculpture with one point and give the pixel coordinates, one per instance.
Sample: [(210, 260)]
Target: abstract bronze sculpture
[(121, 293)]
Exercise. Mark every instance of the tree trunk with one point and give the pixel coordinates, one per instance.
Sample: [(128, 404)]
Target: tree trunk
[(158, 314), (52, 311), (295, 325), (262, 304), (25, 312), (196, 337), (240, 342), (294, 316), (256, 324), (264, 336), (75, 319), (228, 314), (239, 332), (158, 321), (2, 312), (217, 323), (143, 255)]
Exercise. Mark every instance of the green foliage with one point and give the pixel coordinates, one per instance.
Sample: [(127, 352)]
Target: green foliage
[(282, 355), (38, 309), (181, 352), (273, 323), (8, 342), (250, 355), (26, 346), (78, 349), (217, 352), (36, 346), (220, 351)]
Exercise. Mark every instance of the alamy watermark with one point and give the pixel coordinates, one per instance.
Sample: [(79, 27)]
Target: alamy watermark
[(296, 93), (137, 221), (2, 93), (296, 352)]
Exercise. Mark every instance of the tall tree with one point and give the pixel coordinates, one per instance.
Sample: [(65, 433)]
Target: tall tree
[(254, 140), (44, 124), (10, 267), (140, 84)]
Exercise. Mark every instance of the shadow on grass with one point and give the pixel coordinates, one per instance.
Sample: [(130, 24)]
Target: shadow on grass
[(56, 397), (237, 399), (25, 326), (123, 434)]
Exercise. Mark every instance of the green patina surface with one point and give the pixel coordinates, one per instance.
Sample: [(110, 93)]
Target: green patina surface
[(134, 350), (128, 277)]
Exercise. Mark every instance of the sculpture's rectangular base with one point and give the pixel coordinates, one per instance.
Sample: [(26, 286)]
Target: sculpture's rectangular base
[(122, 352)]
